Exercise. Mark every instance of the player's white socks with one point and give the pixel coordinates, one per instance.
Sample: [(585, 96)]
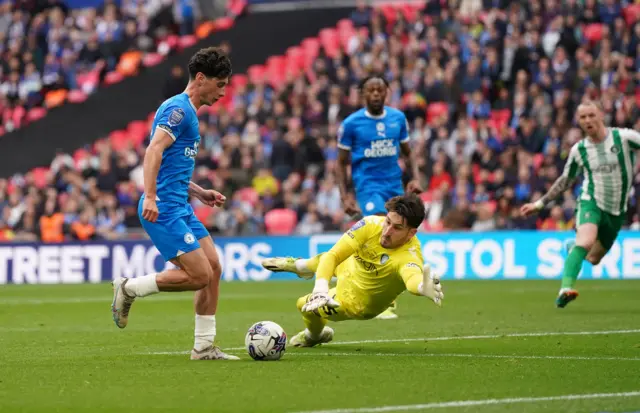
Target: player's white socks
[(301, 265), (142, 286), (205, 331)]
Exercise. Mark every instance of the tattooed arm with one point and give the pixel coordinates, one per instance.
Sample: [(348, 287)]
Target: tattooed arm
[(571, 170)]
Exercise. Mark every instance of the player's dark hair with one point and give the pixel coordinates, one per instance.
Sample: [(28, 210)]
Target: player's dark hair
[(364, 81), (212, 62), (409, 207)]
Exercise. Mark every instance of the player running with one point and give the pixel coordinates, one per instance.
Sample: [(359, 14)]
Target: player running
[(607, 162), (166, 214), (375, 261), (373, 137)]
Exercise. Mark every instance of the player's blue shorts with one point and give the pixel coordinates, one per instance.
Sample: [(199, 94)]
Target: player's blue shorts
[(372, 200), (176, 231)]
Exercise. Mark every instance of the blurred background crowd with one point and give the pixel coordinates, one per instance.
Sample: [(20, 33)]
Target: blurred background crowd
[(489, 88)]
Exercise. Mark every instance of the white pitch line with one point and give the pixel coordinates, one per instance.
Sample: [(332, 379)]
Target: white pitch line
[(448, 338), (434, 355), (486, 402)]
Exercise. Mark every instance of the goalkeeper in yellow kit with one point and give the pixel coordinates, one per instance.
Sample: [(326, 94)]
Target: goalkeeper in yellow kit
[(374, 262)]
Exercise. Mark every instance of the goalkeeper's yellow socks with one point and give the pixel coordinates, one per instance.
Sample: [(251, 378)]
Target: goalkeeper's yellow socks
[(572, 266)]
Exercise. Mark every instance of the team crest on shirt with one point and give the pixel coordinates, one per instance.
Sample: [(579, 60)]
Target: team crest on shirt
[(176, 117), (380, 128), (615, 149), (384, 258), (189, 238)]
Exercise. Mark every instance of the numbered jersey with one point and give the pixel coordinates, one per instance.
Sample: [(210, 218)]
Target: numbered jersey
[(374, 143), (607, 168)]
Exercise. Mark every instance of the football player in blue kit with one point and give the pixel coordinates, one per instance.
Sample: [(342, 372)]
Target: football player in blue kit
[(371, 140), (165, 212)]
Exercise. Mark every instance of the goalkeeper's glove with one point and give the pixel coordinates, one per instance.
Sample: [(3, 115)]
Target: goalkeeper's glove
[(431, 286), (320, 298)]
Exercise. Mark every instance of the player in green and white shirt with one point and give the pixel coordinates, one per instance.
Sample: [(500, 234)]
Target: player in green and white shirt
[(606, 159)]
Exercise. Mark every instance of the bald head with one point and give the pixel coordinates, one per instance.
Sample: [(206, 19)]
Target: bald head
[(591, 120)]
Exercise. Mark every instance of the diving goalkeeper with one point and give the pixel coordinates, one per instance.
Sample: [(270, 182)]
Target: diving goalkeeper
[(374, 262)]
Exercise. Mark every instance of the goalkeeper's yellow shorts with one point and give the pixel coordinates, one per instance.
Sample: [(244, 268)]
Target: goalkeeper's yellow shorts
[(349, 309)]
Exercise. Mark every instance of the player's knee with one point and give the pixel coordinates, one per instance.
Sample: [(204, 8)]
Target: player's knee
[(587, 244), (594, 259), (202, 277), (216, 269)]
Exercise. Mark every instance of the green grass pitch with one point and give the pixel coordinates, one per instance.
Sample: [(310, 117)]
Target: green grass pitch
[(61, 352)]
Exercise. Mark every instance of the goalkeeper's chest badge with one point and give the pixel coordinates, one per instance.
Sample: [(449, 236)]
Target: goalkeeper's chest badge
[(384, 258)]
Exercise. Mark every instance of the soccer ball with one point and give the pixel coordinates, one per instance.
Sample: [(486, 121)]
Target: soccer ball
[(266, 340)]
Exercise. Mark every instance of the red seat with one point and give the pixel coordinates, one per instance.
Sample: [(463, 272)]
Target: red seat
[(239, 80), (88, 81), (119, 140), (311, 46), (76, 96), (593, 32), (344, 24), (40, 176), (631, 14), (436, 110), (112, 78), (537, 161), (248, 195), (188, 41), (223, 23), (203, 213), (80, 155), (256, 73), (36, 114), (152, 59), (138, 131), (1, 131), (280, 221)]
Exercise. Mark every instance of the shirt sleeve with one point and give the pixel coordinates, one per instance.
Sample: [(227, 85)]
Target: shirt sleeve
[(411, 273), (171, 120), (349, 243), (572, 168), (404, 130), (631, 136), (345, 136)]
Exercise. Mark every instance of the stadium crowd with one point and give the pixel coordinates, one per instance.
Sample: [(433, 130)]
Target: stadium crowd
[(489, 89), (46, 46)]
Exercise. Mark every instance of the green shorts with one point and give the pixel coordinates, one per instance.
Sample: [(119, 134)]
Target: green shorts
[(608, 224)]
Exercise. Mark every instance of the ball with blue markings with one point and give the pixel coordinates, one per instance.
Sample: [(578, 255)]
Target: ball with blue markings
[(266, 341)]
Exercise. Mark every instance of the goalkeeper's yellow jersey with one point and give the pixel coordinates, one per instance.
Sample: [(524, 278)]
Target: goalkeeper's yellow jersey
[(371, 278)]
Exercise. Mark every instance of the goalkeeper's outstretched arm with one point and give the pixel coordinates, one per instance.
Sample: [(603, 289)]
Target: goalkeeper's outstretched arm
[(424, 283)]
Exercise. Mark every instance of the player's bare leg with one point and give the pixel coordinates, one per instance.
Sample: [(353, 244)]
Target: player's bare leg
[(191, 276), (316, 332), (206, 304), (586, 236)]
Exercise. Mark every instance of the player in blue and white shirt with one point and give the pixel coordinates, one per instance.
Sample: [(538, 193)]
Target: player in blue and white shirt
[(164, 210), (372, 140)]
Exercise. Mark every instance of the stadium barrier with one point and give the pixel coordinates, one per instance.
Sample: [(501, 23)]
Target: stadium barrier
[(490, 256)]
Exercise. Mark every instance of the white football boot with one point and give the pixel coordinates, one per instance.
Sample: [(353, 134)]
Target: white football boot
[(302, 339), (211, 353), (121, 302)]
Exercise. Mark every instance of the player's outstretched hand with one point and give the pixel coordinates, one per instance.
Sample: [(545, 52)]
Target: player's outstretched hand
[(431, 286), (150, 209), (351, 206), (529, 209), (212, 198), (319, 300), (414, 187)]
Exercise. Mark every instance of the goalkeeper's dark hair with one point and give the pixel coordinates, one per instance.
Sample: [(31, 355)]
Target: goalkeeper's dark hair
[(408, 206), (364, 81), (212, 62)]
